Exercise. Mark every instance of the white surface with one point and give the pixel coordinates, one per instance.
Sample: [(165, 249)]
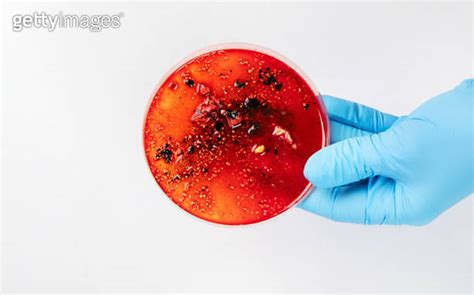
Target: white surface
[(82, 213)]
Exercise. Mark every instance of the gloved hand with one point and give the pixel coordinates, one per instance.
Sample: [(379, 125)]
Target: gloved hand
[(387, 170)]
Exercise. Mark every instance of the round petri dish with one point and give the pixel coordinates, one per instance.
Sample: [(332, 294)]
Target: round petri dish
[(228, 131)]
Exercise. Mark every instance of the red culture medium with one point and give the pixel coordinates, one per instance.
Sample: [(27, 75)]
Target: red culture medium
[(228, 133)]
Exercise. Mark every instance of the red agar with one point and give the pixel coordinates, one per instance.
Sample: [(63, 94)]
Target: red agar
[(228, 133)]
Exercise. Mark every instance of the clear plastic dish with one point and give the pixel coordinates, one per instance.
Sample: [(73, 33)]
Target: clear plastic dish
[(228, 130)]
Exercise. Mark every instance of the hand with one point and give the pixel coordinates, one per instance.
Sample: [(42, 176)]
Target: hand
[(387, 170)]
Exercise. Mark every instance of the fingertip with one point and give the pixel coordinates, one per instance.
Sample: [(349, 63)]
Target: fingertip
[(326, 97), (302, 204), (310, 173), (315, 171), (333, 104), (309, 203), (330, 98)]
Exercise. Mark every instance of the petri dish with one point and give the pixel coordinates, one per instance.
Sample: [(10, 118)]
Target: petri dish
[(228, 131)]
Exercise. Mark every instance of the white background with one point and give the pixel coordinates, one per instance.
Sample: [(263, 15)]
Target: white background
[(81, 211)]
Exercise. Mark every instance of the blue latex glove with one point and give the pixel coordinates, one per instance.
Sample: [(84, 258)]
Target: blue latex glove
[(387, 170)]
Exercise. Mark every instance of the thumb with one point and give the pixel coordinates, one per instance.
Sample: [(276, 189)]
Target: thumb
[(346, 162)]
